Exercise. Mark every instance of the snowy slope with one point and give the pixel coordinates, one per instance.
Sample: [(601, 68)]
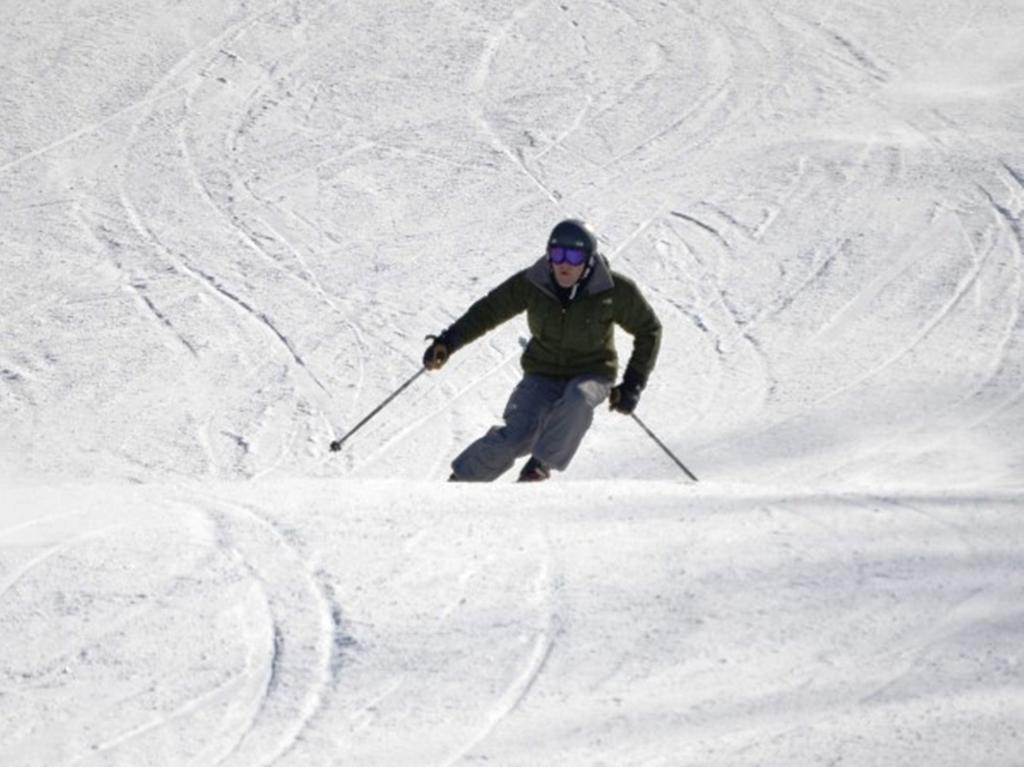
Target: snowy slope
[(225, 230)]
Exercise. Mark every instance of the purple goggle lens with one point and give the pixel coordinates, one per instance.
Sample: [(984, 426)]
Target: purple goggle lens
[(571, 256)]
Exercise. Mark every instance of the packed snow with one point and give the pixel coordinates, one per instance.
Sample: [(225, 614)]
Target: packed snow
[(226, 228)]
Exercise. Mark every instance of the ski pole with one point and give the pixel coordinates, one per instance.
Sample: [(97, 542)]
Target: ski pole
[(663, 447), (336, 444)]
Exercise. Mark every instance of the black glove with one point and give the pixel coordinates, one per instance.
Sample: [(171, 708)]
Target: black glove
[(438, 352), (626, 395)]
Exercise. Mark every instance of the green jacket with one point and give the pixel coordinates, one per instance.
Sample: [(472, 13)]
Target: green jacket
[(569, 341)]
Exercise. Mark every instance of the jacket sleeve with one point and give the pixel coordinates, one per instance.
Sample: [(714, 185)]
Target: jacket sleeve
[(501, 304), (634, 315)]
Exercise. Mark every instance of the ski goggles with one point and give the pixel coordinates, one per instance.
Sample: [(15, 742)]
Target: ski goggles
[(571, 256)]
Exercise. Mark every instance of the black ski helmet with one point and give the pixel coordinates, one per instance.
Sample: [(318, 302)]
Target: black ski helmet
[(573, 233)]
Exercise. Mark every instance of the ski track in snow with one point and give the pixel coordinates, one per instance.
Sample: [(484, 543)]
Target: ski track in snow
[(298, 668), (18, 574), (902, 656), (519, 688), (186, 264), (959, 292), (28, 524), (477, 111), (218, 288), (145, 102)]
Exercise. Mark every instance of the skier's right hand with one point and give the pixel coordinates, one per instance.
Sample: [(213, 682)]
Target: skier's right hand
[(437, 353)]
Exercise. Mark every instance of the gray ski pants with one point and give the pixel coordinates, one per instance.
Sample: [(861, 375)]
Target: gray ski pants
[(545, 416)]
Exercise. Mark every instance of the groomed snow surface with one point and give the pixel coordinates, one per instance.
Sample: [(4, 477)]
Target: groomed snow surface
[(225, 229)]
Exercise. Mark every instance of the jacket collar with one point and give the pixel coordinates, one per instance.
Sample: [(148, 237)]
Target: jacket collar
[(600, 280)]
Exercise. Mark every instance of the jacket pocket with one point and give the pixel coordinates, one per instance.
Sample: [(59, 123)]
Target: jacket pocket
[(598, 321)]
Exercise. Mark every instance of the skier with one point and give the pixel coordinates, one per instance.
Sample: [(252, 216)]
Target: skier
[(572, 300)]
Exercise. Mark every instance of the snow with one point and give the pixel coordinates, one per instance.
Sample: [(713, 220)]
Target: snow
[(225, 230)]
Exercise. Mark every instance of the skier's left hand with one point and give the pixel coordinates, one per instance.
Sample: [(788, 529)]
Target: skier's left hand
[(626, 395), (623, 399)]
